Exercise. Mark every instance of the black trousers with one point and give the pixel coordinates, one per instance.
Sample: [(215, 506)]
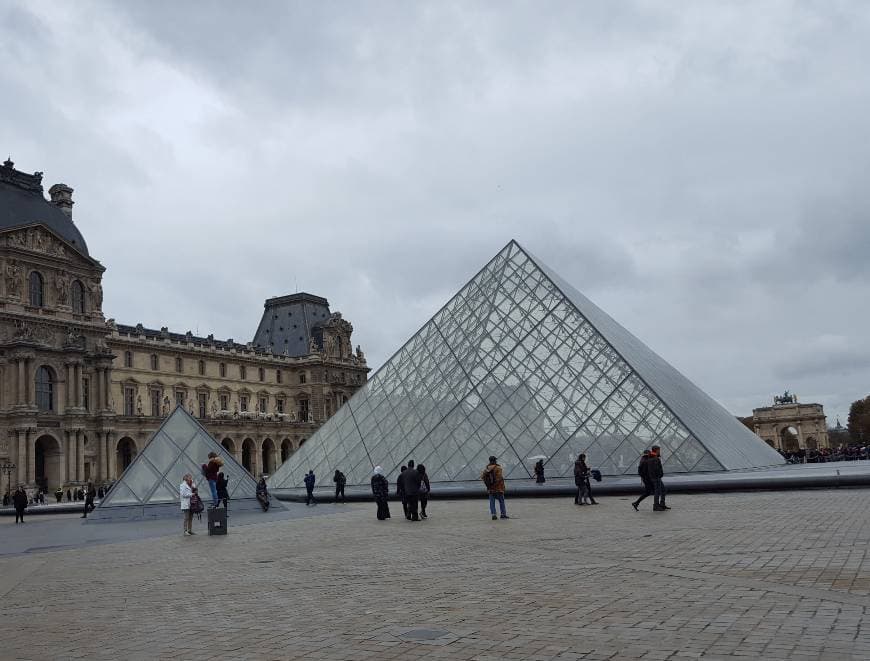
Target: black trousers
[(309, 496), (424, 500), (383, 509), (19, 514), (339, 490), (647, 492), (412, 507)]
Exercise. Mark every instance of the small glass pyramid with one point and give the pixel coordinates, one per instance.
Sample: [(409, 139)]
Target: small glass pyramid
[(181, 445), (522, 366)]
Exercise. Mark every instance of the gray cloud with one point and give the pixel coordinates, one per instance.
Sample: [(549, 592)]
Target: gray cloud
[(697, 170)]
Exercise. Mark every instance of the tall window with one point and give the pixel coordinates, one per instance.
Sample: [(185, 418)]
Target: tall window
[(179, 398), (278, 377), (155, 362), (279, 405), (44, 389), (179, 364), (128, 359), (225, 402), (86, 393), (155, 403), (302, 377), (203, 404), (243, 402), (78, 297), (222, 369), (129, 400), (303, 410), (243, 372), (263, 404), (202, 368), (262, 374), (36, 289)]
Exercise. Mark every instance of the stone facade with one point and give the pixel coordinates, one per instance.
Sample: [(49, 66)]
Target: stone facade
[(790, 426), (80, 396)]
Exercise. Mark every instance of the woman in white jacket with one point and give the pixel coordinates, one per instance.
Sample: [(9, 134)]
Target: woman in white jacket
[(186, 491)]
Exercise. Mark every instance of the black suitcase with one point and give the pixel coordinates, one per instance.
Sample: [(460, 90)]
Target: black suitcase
[(217, 521)]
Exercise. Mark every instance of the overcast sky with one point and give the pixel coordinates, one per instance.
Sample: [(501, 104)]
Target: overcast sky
[(699, 170)]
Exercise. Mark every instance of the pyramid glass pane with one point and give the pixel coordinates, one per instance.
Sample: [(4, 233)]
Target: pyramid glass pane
[(520, 365)]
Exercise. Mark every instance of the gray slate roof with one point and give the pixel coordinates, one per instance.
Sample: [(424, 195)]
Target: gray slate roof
[(288, 321)]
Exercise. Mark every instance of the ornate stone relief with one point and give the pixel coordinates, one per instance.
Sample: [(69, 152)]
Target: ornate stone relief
[(36, 240), (25, 330), (13, 274)]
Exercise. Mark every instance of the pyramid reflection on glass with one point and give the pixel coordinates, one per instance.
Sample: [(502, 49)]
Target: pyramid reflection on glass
[(521, 365), (150, 485)]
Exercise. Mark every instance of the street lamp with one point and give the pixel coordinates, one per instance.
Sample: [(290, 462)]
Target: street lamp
[(7, 468)]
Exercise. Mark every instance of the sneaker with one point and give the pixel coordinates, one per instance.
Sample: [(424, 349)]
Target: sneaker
[(185, 533), (665, 507), (190, 532), (494, 517), (505, 516), (423, 515)]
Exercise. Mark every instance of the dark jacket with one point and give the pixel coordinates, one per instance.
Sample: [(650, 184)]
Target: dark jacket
[(222, 488), (643, 468), (339, 478), (425, 479), (380, 487), (654, 468), (19, 500), (309, 481), (410, 481), (581, 472), (212, 468)]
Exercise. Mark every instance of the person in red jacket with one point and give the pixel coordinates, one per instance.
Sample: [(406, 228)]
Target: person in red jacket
[(211, 469)]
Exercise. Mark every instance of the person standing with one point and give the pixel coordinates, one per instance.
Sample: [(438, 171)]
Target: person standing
[(643, 473), (539, 472), (185, 491), (381, 492), (581, 479), (309, 489), (222, 491), (58, 494), (340, 480), (211, 470), (425, 488), (493, 479), (89, 500), (68, 496), (400, 492), (263, 494), (656, 473), (19, 501), (411, 481)]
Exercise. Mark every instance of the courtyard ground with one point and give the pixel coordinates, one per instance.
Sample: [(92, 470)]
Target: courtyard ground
[(774, 575)]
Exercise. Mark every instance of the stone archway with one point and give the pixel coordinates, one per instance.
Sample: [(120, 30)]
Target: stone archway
[(286, 449), (268, 455), (49, 459), (789, 439), (229, 445), (812, 443), (248, 452), (125, 453)]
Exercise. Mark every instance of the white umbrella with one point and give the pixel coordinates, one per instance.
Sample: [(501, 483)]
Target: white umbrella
[(538, 456)]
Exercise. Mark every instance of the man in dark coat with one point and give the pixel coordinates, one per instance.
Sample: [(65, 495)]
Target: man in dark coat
[(410, 481), (89, 500), (19, 500), (400, 491), (656, 473), (309, 489), (643, 473), (381, 492)]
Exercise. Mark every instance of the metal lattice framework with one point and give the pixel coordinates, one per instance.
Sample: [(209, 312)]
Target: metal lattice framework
[(514, 366)]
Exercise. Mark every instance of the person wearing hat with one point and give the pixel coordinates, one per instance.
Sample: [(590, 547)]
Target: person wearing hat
[(381, 492), (493, 478)]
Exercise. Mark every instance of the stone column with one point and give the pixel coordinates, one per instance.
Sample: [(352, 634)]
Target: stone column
[(80, 455), (62, 461), (96, 390), (107, 389), (77, 379), (102, 473), (112, 455), (31, 458), (21, 383), (71, 455), (28, 378), (21, 459)]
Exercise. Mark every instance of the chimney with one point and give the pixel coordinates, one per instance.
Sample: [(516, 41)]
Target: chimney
[(61, 196)]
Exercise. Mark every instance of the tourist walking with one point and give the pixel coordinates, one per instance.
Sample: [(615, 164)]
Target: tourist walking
[(493, 479), (222, 491), (643, 473), (309, 489), (263, 494), (425, 488), (400, 492), (411, 481), (185, 491), (381, 492), (211, 470), (539, 472), (19, 501), (656, 473), (89, 500), (340, 480), (58, 494), (581, 479)]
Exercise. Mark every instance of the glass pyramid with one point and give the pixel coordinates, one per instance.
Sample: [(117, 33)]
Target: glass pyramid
[(181, 445), (521, 365)]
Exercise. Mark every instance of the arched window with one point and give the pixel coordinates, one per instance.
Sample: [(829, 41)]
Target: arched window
[(36, 299), (78, 297), (44, 389)]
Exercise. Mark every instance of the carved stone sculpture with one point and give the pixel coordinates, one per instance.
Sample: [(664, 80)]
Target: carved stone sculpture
[(13, 279), (139, 411), (61, 285)]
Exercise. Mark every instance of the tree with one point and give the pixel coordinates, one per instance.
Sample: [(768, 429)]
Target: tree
[(859, 420)]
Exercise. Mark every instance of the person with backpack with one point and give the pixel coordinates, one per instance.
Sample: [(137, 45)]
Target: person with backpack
[(493, 480), (656, 473), (210, 472), (185, 491), (425, 488), (381, 492), (643, 473), (309, 489), (340, 480)]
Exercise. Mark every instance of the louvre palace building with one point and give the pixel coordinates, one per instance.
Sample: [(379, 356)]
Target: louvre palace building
[(80, 394)]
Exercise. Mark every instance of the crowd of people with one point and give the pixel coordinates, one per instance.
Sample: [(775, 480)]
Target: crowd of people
[(822, 455)]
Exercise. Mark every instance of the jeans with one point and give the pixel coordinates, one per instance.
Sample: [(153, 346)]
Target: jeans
[(424, 500), (339, 491), (659, 493), (212, 485), (492, 498), (309, 496), (648, 490)]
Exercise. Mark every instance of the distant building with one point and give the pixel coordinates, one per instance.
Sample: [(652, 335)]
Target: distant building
[(80, 396), (791, 426)]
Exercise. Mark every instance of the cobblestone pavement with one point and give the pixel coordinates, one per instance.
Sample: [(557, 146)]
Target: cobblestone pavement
[(776, 575)]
